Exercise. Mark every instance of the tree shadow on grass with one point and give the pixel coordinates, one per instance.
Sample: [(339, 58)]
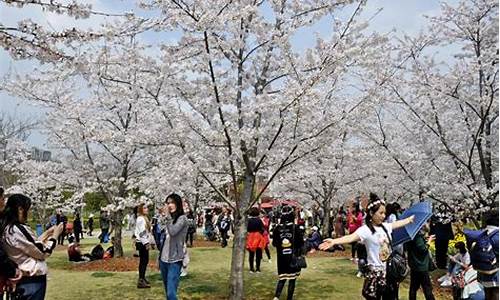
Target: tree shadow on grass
[(102, 274)]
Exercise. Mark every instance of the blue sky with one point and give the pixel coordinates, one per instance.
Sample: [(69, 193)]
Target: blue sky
[(404, 16)]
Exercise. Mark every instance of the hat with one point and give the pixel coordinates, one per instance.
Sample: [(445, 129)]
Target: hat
[(91, 215), (315, 228)]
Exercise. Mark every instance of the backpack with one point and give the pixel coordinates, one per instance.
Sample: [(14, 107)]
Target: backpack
[(483, 250), (97, 252), (396, 266)]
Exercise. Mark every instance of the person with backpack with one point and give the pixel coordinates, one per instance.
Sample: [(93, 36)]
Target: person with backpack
[(390, 217), (288, 239), (483, 248), (28, 252), (419, 263), (376, 236)]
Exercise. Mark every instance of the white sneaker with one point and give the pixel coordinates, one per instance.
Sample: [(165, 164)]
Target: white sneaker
[(276, 298), (270, 261), (446, 283), (359, 274), (443, 278), (184, 273)]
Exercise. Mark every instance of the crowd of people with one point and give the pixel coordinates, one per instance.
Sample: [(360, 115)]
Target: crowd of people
[(471, 272)]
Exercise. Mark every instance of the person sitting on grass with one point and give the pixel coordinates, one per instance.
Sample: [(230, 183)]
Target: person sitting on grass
[(314, 240), (74, 251), (110, 251), (457, 263)]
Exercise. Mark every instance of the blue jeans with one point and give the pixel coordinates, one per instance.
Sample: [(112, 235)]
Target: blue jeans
[(171, 275), (454, 268), (32, 290)]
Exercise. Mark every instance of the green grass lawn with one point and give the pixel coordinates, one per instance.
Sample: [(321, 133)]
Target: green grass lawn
[(325, 278)]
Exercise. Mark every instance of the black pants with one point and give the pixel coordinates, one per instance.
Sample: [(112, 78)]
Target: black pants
[(60, 239), (417, 280), (143, 259), (224, 236), (268, 253), (354, 246), (190, 238), (257, 255), (291, 288), (77, 236), (441, 253)]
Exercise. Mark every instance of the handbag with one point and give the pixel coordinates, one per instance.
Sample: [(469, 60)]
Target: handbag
[(298, 259), (396, 266), (298, 262)]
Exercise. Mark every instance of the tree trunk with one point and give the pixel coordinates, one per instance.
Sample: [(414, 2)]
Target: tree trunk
[(238, 258), (327, 221), (236, 290), (117, 228)]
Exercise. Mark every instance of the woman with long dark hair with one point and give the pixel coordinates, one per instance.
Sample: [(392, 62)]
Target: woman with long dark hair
[(22, 246), (375, 235), (142, 235), (174, 225)]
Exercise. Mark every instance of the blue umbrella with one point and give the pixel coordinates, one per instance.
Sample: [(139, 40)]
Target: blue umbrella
[(422, 212)]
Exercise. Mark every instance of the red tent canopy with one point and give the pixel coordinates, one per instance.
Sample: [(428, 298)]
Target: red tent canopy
[(271, 202)]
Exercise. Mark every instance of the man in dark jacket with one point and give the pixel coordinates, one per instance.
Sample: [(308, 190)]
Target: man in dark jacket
[(419, 261), (441, 227), (77, 227), (104, 224), (9, 274)]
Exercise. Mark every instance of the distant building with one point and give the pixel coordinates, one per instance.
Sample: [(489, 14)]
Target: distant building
[(40, 155)]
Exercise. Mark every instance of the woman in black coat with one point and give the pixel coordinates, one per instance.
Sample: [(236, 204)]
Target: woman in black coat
[(288, 238)]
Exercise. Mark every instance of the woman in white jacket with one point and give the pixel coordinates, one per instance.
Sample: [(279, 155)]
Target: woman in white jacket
[(24, 249), (142, 234)]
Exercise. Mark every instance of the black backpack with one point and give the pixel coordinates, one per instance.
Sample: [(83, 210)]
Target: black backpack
[(396, 265), (97, 252)]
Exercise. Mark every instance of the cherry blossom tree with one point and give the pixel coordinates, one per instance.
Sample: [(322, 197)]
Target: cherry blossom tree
[(13, 129), (246, 105), (439, 124)]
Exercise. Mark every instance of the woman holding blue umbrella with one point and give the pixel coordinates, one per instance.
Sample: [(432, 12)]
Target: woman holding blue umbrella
[(375, 235)]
